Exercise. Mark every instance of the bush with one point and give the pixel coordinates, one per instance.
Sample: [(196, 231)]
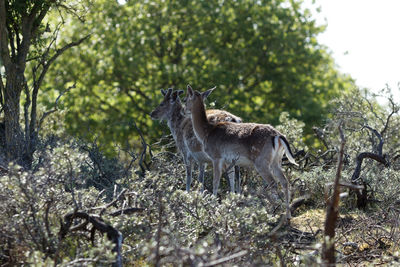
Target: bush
[(75, 203)]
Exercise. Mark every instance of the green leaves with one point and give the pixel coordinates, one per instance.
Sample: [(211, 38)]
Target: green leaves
[(262, 56)]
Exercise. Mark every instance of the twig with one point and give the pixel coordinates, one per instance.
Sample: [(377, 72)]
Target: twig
[(98, 197), (158, 234), (46, 217), (126, 211), (47, 113), (103, 209), (142, 163), (225, 259)]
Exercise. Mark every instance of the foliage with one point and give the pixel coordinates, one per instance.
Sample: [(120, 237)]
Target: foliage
[(262, 56), (28, 48), (33, 203), (61, 208), (173, 227)]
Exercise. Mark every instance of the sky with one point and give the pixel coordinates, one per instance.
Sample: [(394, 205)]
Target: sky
[(364, 38)]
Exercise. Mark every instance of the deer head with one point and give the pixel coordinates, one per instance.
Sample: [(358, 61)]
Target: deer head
[(170, 104), (190, 97)]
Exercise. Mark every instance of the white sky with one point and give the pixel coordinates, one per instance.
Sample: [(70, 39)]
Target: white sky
[(364, 38)]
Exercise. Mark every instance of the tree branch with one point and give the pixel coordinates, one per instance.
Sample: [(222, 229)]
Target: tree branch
[(142, 162), (11, 39), (225, 259), (47, 113), (359, 161), (332, 210), (125, 211), (112, 233), (58, 53), (381, 141), (4, 52), (103, 209), (38, 83), (395, 109), (2, 90), (26, 111)]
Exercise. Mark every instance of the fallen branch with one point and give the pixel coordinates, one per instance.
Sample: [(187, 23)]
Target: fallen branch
[(298, 202), (98, 224)]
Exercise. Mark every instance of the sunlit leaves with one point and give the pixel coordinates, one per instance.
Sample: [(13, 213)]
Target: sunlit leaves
[(262, 56)]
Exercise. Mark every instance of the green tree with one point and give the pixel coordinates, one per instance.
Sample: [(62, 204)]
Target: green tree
[(263, 57), (26, 41)]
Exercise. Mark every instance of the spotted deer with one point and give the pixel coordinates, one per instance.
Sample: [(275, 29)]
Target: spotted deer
[(248, 144), (171, 110)]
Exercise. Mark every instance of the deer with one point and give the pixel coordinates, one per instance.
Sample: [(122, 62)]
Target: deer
[(191, 149), (255, 145)]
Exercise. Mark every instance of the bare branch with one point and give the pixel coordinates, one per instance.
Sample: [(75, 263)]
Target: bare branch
[(321, 136), (46, 218), (98, 197), (298, 202), (395, 109), (142, 163), (112, 233), (105, 207), (332, 210), (381, 141), (72, 10), (58, 53), (225, 259), (372, 109), (348, 185), (47, 113), (158, 234), (359, 161), (2, 90), (38, 83), (126, 211)]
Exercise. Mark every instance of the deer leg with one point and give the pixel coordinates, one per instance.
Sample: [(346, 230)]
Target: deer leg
[(202, 167), (285, 187), (188, 167), (237, 177), (269, 179), (231, 176), (217, 168)]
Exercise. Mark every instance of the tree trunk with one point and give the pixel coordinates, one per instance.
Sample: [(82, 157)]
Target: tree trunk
[(13, 133)]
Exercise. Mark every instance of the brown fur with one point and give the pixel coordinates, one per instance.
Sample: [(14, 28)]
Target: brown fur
[(171, 110), (246, 144)]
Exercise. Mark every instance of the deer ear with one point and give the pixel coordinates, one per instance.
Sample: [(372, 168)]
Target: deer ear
[(205, 94), (174, 95), (189, 90), (168, 93)]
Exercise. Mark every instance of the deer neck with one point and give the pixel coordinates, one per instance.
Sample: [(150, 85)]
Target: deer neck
[(199, 120), (175, 120)]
